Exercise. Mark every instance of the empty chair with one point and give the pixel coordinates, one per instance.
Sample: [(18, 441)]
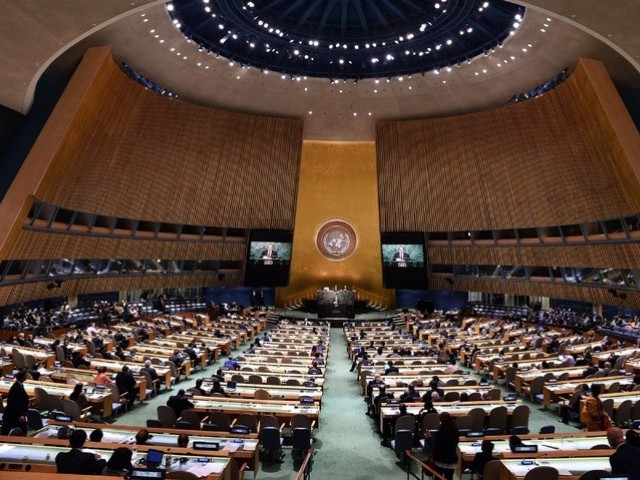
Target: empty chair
[(29, 361), (300, 443), (548, 429), (153, 423), (452, 383), (273, 380), (494, 394), (271, 443), (607, 406), (520, 416), (55, 403), (221, 420), (261, 394), (405, 422), (184, 425), (42, 403), (236, 377), (594, 475), (249, 421), (302, 421), (34, 419), (614, 387), (431, 421), (534, 392), (269, 421), (635, 412), (475, 397), (293, 382), (510, 378), (477, 418), (166, 416), (498, 418), (192, 417), (257, 379), (491, 470), (542, 473), (622, 415), (452, 396), (181, 475), (464, 423), (402, 441), (71, 408), (471, 383)]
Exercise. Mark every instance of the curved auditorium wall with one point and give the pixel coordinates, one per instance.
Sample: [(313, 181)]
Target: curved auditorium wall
[(571, 156), (114, 149), (554, 160)]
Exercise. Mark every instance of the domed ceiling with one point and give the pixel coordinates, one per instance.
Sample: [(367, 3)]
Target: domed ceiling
[(351, 39)]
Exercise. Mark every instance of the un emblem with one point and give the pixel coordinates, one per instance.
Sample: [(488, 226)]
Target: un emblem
[(336, 239)]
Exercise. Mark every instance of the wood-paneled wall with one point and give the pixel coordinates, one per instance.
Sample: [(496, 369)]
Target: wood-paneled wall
[(554, 160), (13, 294), (619, 255), (136, 154), (570, 292), (114, 148), (45, 245)]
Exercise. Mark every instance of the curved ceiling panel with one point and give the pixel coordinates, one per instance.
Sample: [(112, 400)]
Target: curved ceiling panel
[(347, 38)]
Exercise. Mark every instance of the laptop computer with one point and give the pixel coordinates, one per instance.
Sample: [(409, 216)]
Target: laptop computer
[(89, 390), (231, 385), (154, 458)]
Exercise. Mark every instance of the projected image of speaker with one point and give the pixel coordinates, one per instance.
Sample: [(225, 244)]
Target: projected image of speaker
[(403, 260)]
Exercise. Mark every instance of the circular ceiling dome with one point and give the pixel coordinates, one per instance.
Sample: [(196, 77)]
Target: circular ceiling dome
[(346, 39)]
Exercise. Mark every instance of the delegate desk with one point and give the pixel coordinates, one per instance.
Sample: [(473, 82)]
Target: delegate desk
[(62, 374), (48, 359), (135, 367), (101, 400), (403, 380), (39, 454), (569, 468), (580, 348), (551, 391), (277, 392), (143, 353), (242, 377), (242, 447), (524, 378), (455, 409), (282, 410), (599, 358), (499, 369), (563, 442), (175, 344)]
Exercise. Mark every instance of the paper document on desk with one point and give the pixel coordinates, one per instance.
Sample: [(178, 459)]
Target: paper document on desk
[(232, 446), (206, 469), (250, 446)]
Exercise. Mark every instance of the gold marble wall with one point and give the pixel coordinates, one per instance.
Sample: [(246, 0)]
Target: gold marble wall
[(338, 181)]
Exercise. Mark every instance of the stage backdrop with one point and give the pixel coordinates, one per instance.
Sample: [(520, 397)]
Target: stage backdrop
[(336, 239)]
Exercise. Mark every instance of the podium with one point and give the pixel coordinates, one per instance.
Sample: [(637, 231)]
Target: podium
[(335, 303)]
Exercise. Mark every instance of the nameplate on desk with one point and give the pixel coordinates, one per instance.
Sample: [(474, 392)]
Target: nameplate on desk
[(145, 473), (474, 434), (510, 398), (63, 418), (525, 449), (206, 446)]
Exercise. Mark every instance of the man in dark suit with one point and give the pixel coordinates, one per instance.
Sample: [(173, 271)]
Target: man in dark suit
[(179, 402), (391, 368), (626, 459), (126, 383), (269, 254), (17, 406), (75, 460), (401, 256)]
